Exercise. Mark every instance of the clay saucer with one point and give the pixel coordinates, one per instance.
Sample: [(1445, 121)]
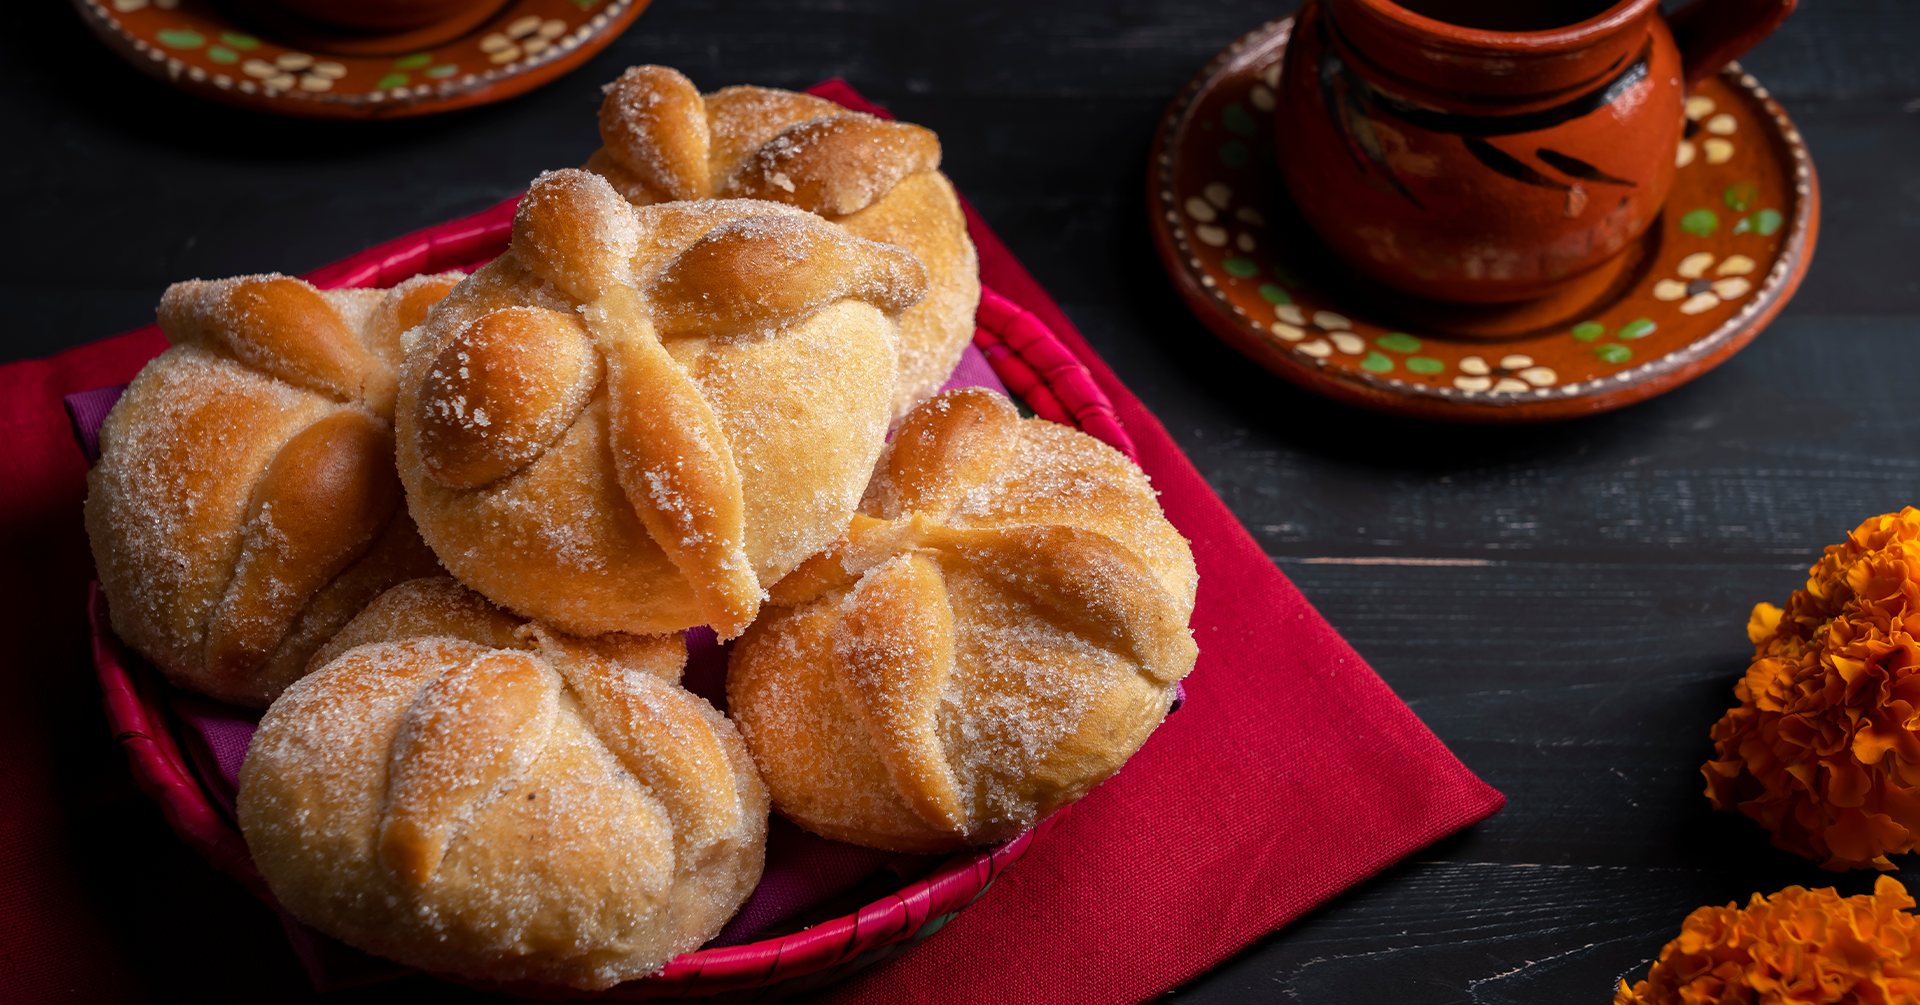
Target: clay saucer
[(281, 65), (1727, 252)]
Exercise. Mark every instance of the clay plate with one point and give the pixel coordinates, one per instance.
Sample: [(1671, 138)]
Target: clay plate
[(1725, 255), (198, 47)]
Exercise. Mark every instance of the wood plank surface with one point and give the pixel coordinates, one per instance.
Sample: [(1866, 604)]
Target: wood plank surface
[(1564, 605)]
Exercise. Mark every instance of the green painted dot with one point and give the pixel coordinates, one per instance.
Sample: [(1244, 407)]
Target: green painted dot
[(1425, 364), (1237, 121), (1398, 342), (1613, 353), (1244, 268), (1286, 278), (1234, 154), (1587, 331), (1274, 294), (1744, 226), (180, 38), (239, 41), (1767, 221), (1377, 362), (443, 70), (222, 54), (1637, 328), (1739, 196), (1700, 223), (391, 81), (413, 62)]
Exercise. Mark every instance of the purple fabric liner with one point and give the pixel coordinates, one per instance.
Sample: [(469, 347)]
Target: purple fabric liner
[(803, 871), (86, 410)]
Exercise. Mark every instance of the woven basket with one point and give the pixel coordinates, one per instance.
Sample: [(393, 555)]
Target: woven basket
[(1027, 357)]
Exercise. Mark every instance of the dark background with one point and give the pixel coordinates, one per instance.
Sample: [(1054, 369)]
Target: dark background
[(1564, 605)]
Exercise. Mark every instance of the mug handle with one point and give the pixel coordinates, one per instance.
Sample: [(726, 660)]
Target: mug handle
[(1712, 33)]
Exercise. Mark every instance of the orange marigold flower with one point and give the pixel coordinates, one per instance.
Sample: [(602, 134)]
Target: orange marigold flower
[(1824, 749), (1800, 947)]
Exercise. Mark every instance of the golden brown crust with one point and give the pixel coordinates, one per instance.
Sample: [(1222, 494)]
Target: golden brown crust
[(878, 179), (246, 504), (996, 633), (703, 426), (549, 810)]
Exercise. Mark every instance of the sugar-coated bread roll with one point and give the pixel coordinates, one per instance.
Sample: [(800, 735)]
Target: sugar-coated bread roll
[(470, 795), (880, 180), (999, 630), (636, 420), (246, 504)]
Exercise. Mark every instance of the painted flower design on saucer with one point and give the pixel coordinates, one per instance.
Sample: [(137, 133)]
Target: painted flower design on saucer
[(1701, 293)]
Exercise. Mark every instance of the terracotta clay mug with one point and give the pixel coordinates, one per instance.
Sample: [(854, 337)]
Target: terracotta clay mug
[(1491, 151)]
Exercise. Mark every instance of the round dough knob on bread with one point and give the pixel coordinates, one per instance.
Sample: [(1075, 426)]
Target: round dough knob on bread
[(245, 504), (635, 420), (469, 794), (663, 140), (999, 630)]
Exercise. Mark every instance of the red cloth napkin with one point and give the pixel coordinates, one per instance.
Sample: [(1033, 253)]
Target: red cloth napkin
[(1293, 775)]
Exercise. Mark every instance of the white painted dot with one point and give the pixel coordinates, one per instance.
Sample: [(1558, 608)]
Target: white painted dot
[(1473, 383), (1318, 348), (1272, 76), (522, 27), (283, 82), (1731, 288), (536, 45), (1735, 265), (315, 83), (506, 55), (1719, 151), (1474, 365), (259, 68), (1200, 210), (1329, 320), (1695, 265), (128, 6), (1722, 125), (222, 81), (1218, 194), (1289, 332), (553, 29), (1349, 343), (1517, 361), (1685, 154), (1539, 376), (1247, 214), (1669, 290), (1244, 242), (1699, 107), (293, 62), (1510, 384), (1290, 313), (331, 71), (1210, 234), (1261, 97), (196, 74), (494, 42), (1700, 303)]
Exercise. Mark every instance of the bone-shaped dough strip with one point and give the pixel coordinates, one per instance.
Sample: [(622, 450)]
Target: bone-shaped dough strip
[(671, 459), (892, 657)]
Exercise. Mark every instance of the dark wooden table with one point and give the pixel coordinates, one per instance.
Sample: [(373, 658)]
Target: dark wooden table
[(1564, 605)]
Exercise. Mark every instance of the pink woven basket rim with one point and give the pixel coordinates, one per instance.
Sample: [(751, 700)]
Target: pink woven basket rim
[(1034, 364)]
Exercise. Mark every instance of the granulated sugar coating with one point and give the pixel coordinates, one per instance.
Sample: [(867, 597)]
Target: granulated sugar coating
[(637, 420), (549, 809), (876, 179), (245, 504), (1000, 629)]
